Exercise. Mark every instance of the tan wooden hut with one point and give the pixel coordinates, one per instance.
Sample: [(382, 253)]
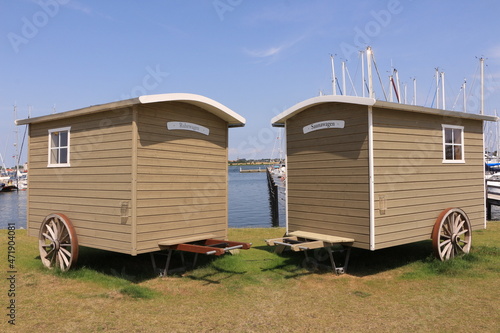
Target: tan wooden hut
[(381, 174), (132, 175)]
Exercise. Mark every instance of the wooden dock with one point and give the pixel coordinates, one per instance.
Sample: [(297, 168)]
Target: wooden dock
[(253, 170), (492, 196), (273, 197)]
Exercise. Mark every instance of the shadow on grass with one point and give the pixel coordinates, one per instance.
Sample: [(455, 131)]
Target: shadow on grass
[(137, 269), (361, 262), (214, 276)]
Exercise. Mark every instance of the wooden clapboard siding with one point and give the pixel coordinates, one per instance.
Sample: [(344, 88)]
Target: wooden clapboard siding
[(417, 186), (92, 190), (327, 173), (181, 175)]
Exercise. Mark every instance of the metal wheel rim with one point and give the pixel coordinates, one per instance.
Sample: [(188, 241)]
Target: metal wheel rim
[(452, 234), (58, 244)]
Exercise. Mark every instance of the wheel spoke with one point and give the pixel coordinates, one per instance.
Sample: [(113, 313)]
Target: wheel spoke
[(65, 262), (456, 222), (443, 243), (447, 251), (446, 227), (50, 253), (66, 252), (48, 237), (451, 234), (64, 236), (58, 245), (51, 232), (460, 226), (53, 258), (57, 227)]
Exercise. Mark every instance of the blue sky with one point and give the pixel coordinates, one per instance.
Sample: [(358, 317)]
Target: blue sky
[(256, 57)]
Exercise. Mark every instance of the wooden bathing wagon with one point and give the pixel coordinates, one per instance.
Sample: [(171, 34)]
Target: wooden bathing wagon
[(372, 174), (133, 176)]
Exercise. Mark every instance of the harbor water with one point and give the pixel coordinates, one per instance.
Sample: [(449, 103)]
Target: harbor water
[(248, 206)]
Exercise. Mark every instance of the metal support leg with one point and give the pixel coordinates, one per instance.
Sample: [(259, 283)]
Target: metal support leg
[(195, 259), (169, 256), (153, 261), (332, 260), (347, 258)]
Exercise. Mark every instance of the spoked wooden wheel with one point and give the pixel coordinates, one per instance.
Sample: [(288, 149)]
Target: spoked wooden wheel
[(451, 235), (57, 242)]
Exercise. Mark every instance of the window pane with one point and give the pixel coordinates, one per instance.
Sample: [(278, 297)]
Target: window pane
[(458, 152), (53, 156), (449, 152), (457, 136), (63, 155), (448, 135), (54, 139), (63, 139)]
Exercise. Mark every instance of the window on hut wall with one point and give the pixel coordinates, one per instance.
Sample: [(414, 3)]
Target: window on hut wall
[(59, 147), (453, 144)]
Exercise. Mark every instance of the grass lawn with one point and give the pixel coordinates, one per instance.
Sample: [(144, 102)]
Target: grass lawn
[(401, 289)]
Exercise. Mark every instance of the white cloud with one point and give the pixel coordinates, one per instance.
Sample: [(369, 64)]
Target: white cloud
[(265, 53), (271, 53)]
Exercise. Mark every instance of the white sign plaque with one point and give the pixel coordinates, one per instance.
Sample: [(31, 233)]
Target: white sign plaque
[(324, 125), (181, 125)]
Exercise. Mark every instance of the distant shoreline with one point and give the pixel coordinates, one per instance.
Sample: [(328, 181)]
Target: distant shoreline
[(250, 163)]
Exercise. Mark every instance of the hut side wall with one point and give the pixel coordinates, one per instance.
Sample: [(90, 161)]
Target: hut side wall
[(327, 173), (416, 184), (181, 175), (94, 189)]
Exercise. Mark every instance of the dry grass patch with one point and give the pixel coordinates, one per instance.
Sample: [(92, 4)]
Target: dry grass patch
[(394, 290)]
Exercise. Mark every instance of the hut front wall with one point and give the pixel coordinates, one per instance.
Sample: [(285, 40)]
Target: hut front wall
[(327, 173), (181, 175), (95, 188), (412, 184)]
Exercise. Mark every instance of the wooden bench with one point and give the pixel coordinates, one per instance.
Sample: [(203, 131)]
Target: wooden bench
[(304, 240)]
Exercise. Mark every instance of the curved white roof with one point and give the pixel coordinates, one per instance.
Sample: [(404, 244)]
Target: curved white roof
[(216, 108), (279, 120)]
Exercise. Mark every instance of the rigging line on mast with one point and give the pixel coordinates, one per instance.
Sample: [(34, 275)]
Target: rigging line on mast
[(350, 80), (436, 91), (340, 89), (473, 85), (22, 144), (456, 99), (395, 88), (378, 74)]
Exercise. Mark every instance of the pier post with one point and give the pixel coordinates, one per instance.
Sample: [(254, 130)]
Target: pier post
[(273, 198)]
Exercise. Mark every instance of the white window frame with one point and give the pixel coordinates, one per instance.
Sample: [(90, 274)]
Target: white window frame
[(58, 165), (462, 144)]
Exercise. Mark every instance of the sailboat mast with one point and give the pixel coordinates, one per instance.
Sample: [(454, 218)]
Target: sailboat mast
[(442, 90), (437, 88), (414, 91), (363, 72), (344, 90), (17, 149), (334, 88), (391, 85), (398, 86), (481, 61), (370, 76)]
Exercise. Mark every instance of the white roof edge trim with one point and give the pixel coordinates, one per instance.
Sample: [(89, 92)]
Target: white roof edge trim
[(279, 120), (220, 110), (216, 108)]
